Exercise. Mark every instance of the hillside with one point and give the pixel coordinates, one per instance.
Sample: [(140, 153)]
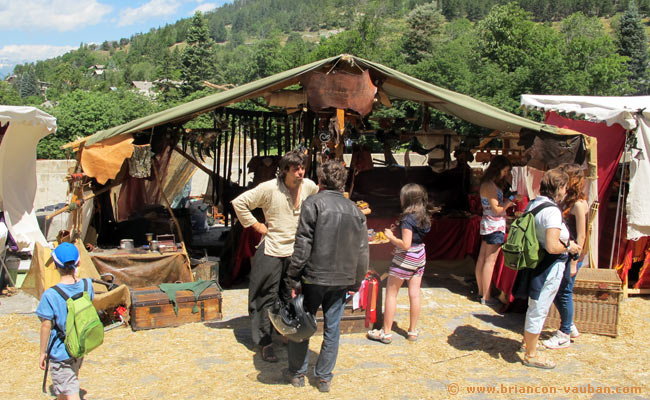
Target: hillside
[(490, 49)]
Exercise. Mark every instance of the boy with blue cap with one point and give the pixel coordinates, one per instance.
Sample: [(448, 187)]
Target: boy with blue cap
[(52, 311)]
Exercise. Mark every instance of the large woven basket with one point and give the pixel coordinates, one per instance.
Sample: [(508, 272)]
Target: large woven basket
[(597, 295)]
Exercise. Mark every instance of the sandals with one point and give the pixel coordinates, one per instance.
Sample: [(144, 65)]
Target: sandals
[(268, 354), (380, 336), (538, 362), (522, 347), (412, 336)]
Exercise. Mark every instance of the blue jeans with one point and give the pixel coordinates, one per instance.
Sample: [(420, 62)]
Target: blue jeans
[(564, 300), (332, 299)]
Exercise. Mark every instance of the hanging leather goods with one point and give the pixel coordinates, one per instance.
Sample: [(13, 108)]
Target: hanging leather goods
[(249, 126), (287, 135), (235, 126), (278, 128), (140, 161), (340, 89)]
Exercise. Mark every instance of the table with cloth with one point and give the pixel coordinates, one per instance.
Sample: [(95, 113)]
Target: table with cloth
[(140, 268), (448, 239)]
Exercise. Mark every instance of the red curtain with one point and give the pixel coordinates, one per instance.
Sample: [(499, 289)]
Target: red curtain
[(611, 141)]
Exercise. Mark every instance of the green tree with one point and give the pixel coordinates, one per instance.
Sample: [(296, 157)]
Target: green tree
[(9, 95), (196, 60), (424, 27), (81, 113), (29, 84), (593, 65), (507, 36), (632, 43), (218, 31)]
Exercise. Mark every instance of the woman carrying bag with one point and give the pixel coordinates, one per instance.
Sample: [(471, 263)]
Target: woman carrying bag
[(545, 279)]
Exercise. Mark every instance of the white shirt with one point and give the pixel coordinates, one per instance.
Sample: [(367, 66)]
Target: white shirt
[(281, 218), (550, 217)]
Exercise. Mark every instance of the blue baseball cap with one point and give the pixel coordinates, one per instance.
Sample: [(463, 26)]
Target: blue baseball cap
[(66, 255)]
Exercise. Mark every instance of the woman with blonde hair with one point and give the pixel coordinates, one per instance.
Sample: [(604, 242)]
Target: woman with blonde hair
[(545, 279), (493, 224), (575, 216)]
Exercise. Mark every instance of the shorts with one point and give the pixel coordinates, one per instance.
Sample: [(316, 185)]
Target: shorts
[(408, 264), (494, 238), (65, 376), (538, 309)]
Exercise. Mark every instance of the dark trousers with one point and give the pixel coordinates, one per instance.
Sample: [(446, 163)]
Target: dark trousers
[(332, 298), (263, 290)]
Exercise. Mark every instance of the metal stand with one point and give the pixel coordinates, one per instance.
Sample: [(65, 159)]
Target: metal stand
[(6, 269)]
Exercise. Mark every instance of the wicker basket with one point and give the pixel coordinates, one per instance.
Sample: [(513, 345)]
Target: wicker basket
[(597, 295)]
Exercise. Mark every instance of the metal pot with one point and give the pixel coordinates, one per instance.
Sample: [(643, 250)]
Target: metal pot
[(126, 244), (153, 245)]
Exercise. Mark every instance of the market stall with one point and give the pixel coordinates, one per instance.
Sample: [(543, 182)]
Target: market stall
[(317, 107), (20, 130), (622, 127)]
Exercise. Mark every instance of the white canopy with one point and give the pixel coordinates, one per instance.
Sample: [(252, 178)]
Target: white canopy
[(27, 125), (633, 114)]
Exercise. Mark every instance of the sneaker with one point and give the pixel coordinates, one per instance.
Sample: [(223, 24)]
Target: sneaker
[(490, 302), (559, 340), (323, 386), (297, 381), (574, 332)]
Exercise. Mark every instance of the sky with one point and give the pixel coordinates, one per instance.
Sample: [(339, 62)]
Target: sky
[(32, 30)]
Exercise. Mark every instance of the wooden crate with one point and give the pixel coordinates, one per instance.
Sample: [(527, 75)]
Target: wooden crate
[(597, 296), (151, 308)]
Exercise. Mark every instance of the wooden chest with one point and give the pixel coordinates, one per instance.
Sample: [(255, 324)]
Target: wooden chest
[(354, 321), (597, 296), (151, 308)]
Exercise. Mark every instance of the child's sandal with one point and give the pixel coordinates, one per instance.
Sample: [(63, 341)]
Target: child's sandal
[(412, 336), (380, 336), (538, 361)]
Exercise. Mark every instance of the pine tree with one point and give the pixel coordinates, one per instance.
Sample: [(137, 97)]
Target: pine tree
[(632, 43), (424, 26), (29, 84), (196, 58)]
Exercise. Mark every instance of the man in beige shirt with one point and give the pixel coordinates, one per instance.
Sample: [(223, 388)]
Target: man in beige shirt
[(280, 199)]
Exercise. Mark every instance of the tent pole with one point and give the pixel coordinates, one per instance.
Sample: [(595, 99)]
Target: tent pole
[(618, 207)]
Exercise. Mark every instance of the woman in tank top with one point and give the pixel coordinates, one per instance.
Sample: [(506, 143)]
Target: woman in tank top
[(493, 224)]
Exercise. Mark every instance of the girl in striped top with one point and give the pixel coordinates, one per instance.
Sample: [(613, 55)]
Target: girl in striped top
[(408, 261)]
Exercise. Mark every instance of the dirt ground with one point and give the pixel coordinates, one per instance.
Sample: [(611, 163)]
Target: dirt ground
[(465, 351)]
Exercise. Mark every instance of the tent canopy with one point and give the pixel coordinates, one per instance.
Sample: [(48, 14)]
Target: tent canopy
[(612, 110), (394, 83), (27, 125), (630, 113)]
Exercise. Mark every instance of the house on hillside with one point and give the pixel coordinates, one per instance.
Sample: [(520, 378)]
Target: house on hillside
[(165, 84), (144, 87), (96, 70)]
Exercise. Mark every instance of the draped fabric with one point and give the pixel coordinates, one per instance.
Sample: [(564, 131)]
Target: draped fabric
[(136, 193), (611, 141)]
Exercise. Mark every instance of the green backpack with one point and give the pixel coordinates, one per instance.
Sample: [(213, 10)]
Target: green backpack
[(84, 330), (521, 250)]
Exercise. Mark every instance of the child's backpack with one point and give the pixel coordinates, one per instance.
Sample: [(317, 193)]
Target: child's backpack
[(84, 330), (521, 250)]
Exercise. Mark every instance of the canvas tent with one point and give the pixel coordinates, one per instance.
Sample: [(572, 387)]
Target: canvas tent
[(633, 115), (388, 83), (25, 126), (393, 83)]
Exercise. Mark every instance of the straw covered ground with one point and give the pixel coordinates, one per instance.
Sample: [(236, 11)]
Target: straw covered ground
[(465, 351)]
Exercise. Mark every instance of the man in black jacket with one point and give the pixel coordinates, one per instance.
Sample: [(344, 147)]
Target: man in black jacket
[(330, 257)]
